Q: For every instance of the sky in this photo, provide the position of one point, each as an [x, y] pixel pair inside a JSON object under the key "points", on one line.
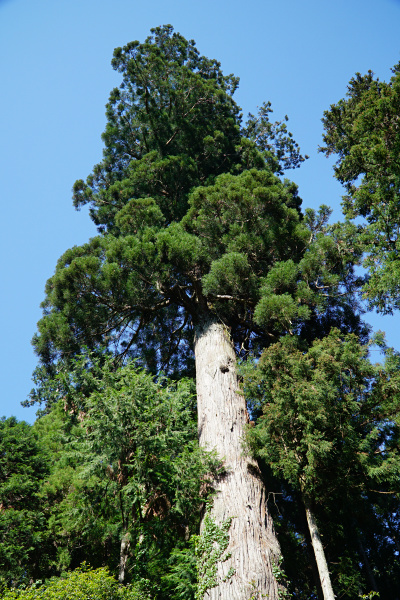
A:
{"points": [[55, 77]]}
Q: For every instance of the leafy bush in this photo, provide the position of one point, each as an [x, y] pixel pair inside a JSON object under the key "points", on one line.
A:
{"points": [[81, 584]]}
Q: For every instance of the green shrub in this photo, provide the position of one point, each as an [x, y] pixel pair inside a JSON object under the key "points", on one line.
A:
{"points": [[81, 584]]}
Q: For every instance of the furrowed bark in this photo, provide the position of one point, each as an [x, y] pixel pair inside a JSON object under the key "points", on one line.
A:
{"points": [[240, 493], [319, 554]]}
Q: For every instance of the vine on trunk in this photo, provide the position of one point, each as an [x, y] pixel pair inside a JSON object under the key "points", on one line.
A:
{"points": [[281, 578], [210, 550]]}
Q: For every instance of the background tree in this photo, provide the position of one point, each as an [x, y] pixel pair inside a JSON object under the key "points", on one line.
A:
{"points": [[128, 479], [24, 545], [363, 131], [142, 448], [330, 427]]}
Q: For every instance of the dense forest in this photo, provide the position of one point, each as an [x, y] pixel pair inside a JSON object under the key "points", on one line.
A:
{"points": [[210, 422]]}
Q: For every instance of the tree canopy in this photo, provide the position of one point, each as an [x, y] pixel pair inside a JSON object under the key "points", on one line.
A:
{"points": [[173, 125], [137, 287]]}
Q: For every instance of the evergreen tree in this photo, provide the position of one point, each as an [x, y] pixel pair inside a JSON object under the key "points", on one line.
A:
{"points": [[362, 131], [128, 479], [202, 246], [330, 427], [141, 455], [24, 545]]}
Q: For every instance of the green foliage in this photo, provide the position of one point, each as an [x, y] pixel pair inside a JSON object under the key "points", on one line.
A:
{"points": [[81, 584], [180, 579], [276, 144], [241, 253], [125, 464], [362, 130], [136, 294], [330, 427], [326, 411], [23, 466], [130, 468], [74, 538], [173, 125], [142, 438], [281, 579], [173, 116], [173, 144]]}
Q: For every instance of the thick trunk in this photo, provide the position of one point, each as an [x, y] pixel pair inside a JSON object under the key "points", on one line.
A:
{"points": [[240, 493], [319, 554]]}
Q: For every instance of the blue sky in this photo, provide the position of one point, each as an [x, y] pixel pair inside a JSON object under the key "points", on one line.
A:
{"points": [[55, 78]]}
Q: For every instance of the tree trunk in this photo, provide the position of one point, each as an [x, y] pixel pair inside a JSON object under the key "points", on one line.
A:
{"points": [[240, 493], [319, 554], [123, 556], [365, 560], [311, 557]]}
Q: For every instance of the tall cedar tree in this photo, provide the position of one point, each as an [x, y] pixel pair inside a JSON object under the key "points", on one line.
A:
{"points": [[201, 245]]}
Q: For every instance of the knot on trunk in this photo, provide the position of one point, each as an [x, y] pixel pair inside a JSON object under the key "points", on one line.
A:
{"points": [[224, 367]]}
